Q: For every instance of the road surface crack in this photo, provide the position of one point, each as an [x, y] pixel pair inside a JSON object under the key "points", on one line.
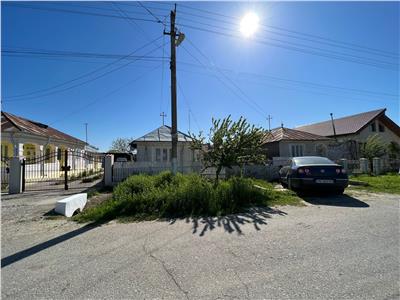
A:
{"points": [[162, 263]]}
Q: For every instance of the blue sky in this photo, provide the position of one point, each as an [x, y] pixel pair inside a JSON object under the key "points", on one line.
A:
{"points": [[308, 59]]}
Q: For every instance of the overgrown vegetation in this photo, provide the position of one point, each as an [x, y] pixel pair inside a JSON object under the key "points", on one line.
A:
{"points": [[167, 195], [373, 147], [389, 183]]}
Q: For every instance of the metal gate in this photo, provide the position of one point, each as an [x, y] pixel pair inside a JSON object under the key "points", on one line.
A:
{"points": [[5, 174], [62, 170]]}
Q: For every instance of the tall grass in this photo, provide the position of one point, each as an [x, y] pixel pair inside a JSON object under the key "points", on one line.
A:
{"points": [[167, 195]]}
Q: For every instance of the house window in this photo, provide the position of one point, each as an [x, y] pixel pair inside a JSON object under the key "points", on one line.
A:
{"points": [[296, 150], [373, 127], [170, 154], [158, 154], [381, 128], [165, 154]]}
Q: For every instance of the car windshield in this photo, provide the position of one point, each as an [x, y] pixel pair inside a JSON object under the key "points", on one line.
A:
{"points": [[312, 160]]}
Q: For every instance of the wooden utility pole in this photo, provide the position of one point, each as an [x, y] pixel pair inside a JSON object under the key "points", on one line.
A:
{"points": [[174, 115]]}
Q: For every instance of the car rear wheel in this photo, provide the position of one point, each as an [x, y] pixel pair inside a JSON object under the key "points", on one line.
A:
{"points": [[284, 184], [339, 192]]}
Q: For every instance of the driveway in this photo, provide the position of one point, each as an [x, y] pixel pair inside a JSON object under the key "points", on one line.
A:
{"points": [[335, 247]]}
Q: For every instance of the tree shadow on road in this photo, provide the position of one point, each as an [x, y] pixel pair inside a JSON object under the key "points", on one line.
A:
{"points": [[328, 199], [257, 216]]}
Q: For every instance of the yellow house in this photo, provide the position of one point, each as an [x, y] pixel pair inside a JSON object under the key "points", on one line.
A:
{"points": [[21, 137]]}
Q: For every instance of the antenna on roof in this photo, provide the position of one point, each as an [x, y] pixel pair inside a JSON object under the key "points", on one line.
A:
{"points": [[163, 115], [269, 122], [333, 126]]}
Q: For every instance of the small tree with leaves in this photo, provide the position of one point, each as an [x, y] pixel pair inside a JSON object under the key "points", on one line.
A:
{"points": [[374, 147], [232, 144], [120, 145], [394, 150]]}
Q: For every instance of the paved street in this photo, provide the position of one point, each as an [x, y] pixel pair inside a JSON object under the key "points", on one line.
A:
{"points": [[336, 247]]}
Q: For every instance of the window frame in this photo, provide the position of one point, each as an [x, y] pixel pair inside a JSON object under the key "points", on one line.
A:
{"points": [[158, 154], [296, 152]]}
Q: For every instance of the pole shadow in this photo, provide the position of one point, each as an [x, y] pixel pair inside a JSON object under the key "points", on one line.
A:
{"points": [[6, 261]]}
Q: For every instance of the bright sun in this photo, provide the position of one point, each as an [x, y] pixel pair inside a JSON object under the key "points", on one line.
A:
{"points": [[249, 24]]}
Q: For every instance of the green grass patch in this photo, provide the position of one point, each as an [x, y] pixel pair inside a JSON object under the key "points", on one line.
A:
{"points": [[143, 197], [389, 183]]}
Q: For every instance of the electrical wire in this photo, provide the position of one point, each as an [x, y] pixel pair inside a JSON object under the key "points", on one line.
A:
{"points": [[83, 108], [316, 37], [81, 76], [81, 83]]}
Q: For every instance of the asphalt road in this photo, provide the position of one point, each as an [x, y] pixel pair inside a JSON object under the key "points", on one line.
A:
{"points": [[336, 247]]}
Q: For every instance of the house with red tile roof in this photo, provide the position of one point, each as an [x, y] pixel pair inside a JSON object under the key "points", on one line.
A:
{"points": [[357, 128], [26, 138], [286, 142]]}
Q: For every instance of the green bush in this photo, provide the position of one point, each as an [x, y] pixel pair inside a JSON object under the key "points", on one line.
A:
{"points": [[167, 195]]}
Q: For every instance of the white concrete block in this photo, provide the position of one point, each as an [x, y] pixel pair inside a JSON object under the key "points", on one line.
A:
{"points": [[69, 205]]}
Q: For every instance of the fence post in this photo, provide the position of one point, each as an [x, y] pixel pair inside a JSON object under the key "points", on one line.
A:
{"points": [[376, 165], [344, 163], [364, 165], [108, 169], [15, 184]]}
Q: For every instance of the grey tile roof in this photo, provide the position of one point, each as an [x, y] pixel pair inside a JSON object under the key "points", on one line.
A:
{"points": [[287, 134], [162, 134], [345, 125]]}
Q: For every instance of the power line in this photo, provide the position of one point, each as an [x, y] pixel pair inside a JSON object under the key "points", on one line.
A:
{"points": [[58, 53], [317, 37], [188, 105], [151, 13], [81, 83], [225, 84], [297, 44], [226, 77], [317, 85], [337, 57], [84, 75], [82, 109], [299, 89], [77, 12]]}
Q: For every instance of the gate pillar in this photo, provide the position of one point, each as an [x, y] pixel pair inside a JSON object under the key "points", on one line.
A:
{"points": [[16, 174], [108, 169]]}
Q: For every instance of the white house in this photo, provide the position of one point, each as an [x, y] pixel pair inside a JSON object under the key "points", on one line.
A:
{"points": [[154, 149]]}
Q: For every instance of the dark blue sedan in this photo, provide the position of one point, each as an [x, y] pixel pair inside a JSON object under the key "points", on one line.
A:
{"points": [[314, 173]]}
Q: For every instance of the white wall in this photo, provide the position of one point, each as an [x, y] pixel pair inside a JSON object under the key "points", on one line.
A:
{"points": [[146, 152]]}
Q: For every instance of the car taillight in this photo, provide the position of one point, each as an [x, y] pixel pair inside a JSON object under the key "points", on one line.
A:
{"points": [[300, 171]]}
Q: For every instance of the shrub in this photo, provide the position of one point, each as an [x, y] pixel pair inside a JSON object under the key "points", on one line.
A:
{"points": [[167, 195]]}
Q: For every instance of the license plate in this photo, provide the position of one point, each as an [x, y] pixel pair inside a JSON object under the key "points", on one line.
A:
{"points": [[324, 181]]}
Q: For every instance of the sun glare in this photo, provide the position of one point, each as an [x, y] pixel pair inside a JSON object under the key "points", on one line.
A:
{"points": [[249, 24]]}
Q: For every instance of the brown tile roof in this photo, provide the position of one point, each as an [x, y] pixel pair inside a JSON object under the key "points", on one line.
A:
{"points": [[9, 120], [345, 125], [287, 134]]}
